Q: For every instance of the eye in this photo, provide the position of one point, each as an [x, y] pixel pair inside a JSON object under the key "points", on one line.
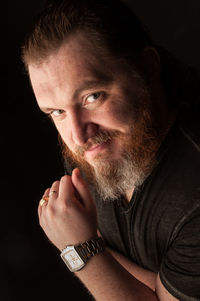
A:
{"points": [[57, 113], [93, 97]]}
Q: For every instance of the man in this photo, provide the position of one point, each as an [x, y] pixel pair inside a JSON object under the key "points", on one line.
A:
{"points": [[134, 152]]}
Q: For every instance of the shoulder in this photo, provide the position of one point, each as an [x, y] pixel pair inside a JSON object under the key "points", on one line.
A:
{"points": [[190, 128], [169, 197], [179, 271]]}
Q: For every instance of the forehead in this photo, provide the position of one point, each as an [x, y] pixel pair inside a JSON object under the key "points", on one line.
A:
{"points": [[64, 72], [75, 59]]}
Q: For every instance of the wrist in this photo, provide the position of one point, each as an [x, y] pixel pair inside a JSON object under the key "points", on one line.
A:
{"points": [[77, 256]]}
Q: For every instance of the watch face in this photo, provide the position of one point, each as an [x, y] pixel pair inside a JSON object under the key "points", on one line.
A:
{"points": [[72, 259]]}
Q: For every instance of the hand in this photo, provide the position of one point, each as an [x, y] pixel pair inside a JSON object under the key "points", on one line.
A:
{"points": [[69, 216]]}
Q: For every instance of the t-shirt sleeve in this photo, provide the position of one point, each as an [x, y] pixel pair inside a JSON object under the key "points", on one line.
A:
{"points": [[180, 269]]}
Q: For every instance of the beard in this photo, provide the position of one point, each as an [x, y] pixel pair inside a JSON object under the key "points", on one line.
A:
{"points": [[110, 179]]}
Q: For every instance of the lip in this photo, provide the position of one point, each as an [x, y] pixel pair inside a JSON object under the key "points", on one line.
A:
{"points": [[95, 149]]}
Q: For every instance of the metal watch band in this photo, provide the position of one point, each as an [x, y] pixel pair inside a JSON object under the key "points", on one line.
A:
{"points": [[90, 248]]}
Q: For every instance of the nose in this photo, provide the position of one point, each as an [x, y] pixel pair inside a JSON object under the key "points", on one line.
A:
{"points": [[81, 127]]}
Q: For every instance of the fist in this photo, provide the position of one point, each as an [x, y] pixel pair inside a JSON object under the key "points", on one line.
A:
{"points": [[69, 216]]}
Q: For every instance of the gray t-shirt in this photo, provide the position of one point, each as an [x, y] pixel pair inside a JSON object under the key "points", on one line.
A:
{"points": [[160, 228]]}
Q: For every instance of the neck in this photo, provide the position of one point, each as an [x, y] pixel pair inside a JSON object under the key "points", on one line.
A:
{"points": [[128, 195]]}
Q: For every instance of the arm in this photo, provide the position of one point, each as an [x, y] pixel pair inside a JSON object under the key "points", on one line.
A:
{"points": [[68, 220], [108, 280], [145, 276]]}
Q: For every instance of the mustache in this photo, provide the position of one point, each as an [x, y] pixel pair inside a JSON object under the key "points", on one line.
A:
{"points": [[101, 137]]}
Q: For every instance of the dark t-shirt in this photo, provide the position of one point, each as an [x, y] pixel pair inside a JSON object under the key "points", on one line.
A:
{"points": [[160, 228]]}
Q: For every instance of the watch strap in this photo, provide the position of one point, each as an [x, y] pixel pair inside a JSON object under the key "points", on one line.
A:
{"points": [[89, 248]]}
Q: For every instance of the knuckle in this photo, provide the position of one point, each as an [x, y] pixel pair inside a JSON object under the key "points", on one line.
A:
{"points": [[65, 178], [51, 212], [55, 182], [47, 190], [63, 208]]}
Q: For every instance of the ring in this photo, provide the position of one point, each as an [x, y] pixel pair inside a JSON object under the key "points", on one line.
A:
{"points": [[52, 192], [44, 200]]}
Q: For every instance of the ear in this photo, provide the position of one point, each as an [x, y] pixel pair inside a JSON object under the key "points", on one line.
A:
{"points": [[150, 65]]}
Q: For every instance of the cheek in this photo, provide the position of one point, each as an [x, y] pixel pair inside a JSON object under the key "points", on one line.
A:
{"points": [[65, 135], [118, 115]]}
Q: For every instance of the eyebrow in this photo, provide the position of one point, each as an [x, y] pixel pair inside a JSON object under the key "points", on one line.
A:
{"points": [[91, 84], [86, 85]]}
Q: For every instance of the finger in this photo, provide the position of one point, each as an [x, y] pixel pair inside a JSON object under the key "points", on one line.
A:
{"points": [[66, 190], [46, 193], [54, 192], [81, 187], [43, 204]]}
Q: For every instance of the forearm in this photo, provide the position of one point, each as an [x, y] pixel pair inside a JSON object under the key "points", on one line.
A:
{"points": [[145, 276], [107, 280]]}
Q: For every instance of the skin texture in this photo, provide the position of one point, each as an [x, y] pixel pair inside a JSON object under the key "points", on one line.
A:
{"points": [[62, 86], [64, 207], [86, 94], [57, 85], [107, 277]]}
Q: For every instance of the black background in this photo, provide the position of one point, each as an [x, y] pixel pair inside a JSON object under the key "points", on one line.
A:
{"points": [[30, 267]]}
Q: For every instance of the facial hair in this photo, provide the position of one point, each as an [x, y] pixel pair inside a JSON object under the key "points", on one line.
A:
{"points": [[110, 179]]}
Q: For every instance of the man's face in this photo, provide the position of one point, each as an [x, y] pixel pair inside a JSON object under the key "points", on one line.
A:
{"points": [[101, 111]]}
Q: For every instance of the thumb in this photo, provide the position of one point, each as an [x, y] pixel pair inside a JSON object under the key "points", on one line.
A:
{"points": [[81, 187]]}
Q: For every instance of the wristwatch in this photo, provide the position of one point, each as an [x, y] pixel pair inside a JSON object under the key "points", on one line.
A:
{"points": [[76, 257]]}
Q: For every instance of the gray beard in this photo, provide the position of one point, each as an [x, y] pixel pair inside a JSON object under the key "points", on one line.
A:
{"points": [[112, 179]]}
